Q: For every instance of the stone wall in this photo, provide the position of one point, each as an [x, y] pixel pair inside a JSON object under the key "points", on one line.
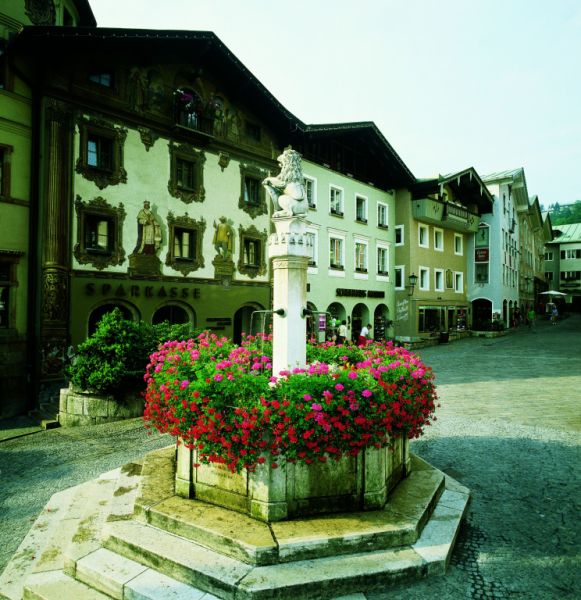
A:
{"points": [[82, 408]]}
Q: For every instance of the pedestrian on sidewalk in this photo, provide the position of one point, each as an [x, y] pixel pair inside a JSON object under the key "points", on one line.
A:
{"points": [[531, 317], [364, 335], [554, 315]]}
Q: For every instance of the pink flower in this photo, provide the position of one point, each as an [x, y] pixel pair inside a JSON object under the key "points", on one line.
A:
{"points": [[315, 406], [367, 393], [352, 375], [307, 397], [184, 384], [339, 387], [218, 377]]}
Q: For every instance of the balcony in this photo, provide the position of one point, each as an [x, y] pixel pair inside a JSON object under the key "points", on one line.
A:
{"points": [[445, 214]]}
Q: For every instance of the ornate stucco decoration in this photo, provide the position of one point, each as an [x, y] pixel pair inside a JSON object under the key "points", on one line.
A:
{"points": [[112, 173], [89, 215], [251, 258], [177, 227], [40, 12], [187, 186], [148, 137]]}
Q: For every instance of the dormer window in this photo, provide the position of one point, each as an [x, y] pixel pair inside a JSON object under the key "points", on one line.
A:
{"points": [[102, 78]]}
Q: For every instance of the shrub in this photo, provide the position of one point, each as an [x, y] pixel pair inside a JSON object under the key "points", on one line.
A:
{"points": [[223, 400], [113, 358]]}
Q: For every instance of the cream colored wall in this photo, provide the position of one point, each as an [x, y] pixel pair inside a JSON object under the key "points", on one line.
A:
{"points": [[148, 173]]}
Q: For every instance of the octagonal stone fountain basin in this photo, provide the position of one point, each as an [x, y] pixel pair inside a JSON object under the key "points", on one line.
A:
{"points": [[350, 484]]}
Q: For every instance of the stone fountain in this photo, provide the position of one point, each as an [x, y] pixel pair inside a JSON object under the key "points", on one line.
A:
{"points": [[317, 531]]}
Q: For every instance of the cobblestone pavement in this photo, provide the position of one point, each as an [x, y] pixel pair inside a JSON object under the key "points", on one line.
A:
{"points": [[509, 428]]}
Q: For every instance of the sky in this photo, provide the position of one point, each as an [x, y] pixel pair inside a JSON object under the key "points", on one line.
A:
{"points": [[489, 84]]}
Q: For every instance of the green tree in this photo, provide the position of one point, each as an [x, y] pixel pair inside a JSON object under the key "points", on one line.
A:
{"points": [[565, 214]]}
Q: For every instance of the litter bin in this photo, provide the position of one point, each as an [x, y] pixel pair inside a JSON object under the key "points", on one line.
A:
{"points": [[444, 337]]}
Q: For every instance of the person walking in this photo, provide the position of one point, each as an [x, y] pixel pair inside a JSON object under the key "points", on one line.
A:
{"points": [[342, 332], [531, 317], [364, 335], [554, 315]]}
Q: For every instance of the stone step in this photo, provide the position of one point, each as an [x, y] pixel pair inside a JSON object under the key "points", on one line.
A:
{"points": [[122, 578], [47, 419], [32, 547], [228, 578], [56, 585], [176, 557]]}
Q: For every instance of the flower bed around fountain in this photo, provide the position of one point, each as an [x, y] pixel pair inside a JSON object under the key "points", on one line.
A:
{"points": [[338, 428]]}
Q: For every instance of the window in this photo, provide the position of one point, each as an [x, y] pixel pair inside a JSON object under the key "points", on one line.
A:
{"points": [[570, 275], [480, 272], [5, 155], [424, 279], [549, 275], [189, 109], [252, 194], [431, 318], [252, 131], [105, 79], [172, 313], [438, 240], [311, 189], [382, 215], [399, 273], [336, 201], [184, 243], [458, 244], [549, 255], [99, 233], [439, 280], [571, 254], [399, 240], [251, 260], [8, 283], [336, 253], [459, 283], [186, 173], [360, 209], [312, 247], [382, 261], [360, 257], [101, 153], [423, 239]]}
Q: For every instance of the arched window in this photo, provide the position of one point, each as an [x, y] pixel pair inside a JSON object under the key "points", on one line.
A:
{"points": [[172, 313], [102, 310]]}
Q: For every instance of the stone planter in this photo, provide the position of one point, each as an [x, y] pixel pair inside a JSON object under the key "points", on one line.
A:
{"points": [[351, 484], [83, 408]]}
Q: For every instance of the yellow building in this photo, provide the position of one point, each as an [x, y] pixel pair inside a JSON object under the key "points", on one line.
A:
{"points": [[434, 220]]}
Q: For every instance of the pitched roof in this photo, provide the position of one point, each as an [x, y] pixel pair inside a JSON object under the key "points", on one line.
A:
{"points": [[567, 233]]}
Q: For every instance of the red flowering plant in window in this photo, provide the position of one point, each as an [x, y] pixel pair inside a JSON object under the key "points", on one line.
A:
{"points": [[223, 401]]}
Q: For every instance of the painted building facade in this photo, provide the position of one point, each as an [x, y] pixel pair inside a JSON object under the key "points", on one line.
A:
{"points": [[563, 264], [436, 220]]}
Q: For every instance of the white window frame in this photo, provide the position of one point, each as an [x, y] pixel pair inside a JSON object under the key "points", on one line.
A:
{"points": [[334, 272], [441, 286], [313, 269], [365, 268], [365, 218], [458, 277], [313, 182], [458, 236], [385, 207], [437, 248], [424, 274], [341, 211], [402, 269], [382, 276], [426, 228], [402, 229]]}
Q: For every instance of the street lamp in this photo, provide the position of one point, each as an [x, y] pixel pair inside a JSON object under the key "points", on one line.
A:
{"points": [[413, 279]]}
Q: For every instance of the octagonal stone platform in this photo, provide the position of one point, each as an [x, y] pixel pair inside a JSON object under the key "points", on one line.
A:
{"points": [[127, 535]]}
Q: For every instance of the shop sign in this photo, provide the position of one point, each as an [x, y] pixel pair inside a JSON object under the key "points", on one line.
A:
{"points": [[140, 291], [481, 255], [352, 293]]}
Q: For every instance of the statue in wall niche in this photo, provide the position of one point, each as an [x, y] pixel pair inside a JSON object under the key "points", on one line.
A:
{"points": [[287, 190], [148, 231], [223, 238]]}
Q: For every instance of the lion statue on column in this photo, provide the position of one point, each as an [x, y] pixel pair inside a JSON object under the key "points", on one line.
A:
{"points": [[287, 190]]}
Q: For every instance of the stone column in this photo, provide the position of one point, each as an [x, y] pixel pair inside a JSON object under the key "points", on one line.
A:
{"points": [[55, 239], [289, 249]]}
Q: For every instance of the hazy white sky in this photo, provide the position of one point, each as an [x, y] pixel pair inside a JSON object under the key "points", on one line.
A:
{"points": [[493, 84]]}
